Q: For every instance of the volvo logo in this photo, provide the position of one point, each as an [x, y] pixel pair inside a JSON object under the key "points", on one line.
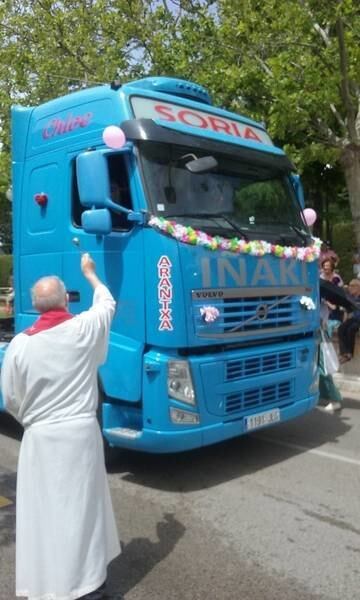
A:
{"points": [[262, 312]]}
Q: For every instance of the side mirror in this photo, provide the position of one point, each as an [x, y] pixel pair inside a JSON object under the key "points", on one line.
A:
{"points": [[97, 221], [92, 179], [94, 189], [298, 188]]}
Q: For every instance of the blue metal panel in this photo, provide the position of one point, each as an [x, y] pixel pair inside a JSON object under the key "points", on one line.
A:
{"points": [[151, 440], [122, 373], [32, 267], [3, 347], [174, 87], [278, 284], [156, 432], [77, 118], [20, 122], [40, 221], [166, 307]]}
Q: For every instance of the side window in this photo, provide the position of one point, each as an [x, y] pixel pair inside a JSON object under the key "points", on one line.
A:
{"points": [[119, 190]]}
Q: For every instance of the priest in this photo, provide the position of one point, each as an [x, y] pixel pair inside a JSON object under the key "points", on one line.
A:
{"points": [[65, 527]]}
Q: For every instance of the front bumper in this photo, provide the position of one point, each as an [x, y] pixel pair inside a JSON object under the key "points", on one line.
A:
{"points": [[149, 440]]}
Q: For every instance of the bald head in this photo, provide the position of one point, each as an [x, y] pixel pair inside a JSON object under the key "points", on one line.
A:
{"points": [[48, 293]]}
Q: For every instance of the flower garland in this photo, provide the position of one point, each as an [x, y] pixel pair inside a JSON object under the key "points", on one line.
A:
{"points": [[258, 248]]}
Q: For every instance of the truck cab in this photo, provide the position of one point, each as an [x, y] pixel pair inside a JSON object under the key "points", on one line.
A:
{"points": [[194, 219]]}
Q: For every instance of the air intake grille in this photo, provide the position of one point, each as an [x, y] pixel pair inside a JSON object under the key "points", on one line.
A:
{"points": [[279, 394], [259, 365]]}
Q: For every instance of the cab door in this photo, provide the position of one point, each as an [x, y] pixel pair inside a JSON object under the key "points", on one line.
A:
{"points": [[119, 259], [40, 223]]}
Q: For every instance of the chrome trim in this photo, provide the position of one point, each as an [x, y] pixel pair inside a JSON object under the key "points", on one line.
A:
{"points": [[262, 311], [252, 333], [256, 316], [123, 432], [224, 293]]}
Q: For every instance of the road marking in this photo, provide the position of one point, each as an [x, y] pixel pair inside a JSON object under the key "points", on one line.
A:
{"points": [[4, 502], [322, 453]]}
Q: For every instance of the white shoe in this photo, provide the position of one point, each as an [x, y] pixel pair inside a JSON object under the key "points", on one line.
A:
{"points": [[332, 407]]}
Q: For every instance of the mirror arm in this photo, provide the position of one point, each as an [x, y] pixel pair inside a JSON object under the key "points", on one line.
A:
{"points": [[138, 217]]}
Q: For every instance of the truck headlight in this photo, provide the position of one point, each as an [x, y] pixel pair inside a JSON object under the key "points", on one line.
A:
{"points": [[179, 381]]}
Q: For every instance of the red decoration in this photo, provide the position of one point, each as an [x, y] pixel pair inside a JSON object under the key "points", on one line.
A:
{"points": [[41, 199]]}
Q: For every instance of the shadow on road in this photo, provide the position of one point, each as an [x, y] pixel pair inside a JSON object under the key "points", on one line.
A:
{"points": [[141, 555], [7, 512], [352, 403], [210, 466], [10, 427]]}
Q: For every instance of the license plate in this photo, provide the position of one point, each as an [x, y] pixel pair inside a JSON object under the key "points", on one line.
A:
{"points": [[262, 419]]}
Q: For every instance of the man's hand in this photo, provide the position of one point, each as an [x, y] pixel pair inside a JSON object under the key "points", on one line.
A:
{"points": [[87, 265], [88, 269]]}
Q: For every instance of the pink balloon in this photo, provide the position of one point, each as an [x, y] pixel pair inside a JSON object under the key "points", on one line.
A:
{"points": [[114, 137], [309, 216]]}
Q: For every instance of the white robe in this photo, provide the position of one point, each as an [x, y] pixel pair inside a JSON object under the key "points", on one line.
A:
{"points": [[65, 528]]}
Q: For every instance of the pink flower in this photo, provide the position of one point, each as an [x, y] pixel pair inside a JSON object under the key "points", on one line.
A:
{"points": [[209, 313]]}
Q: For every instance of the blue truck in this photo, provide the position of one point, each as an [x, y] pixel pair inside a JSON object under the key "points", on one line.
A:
{"points": [[194, 219]]}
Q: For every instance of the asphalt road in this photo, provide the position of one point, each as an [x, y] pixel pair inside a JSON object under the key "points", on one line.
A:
{"points": [[271, 516]]}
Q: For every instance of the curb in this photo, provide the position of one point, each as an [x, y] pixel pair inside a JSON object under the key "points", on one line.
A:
{"points": [[349, 385]]}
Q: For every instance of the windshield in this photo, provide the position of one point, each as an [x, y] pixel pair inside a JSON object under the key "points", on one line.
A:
{"points": [[234, 199]]}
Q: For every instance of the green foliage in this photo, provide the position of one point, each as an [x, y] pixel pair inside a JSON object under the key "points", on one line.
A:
{"points": [[5, 224], [5, 269], [260, 201], [293, 64], [344, 244]]}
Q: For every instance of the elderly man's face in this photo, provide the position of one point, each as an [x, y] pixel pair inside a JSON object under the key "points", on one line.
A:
{"points": [[354, 289]]}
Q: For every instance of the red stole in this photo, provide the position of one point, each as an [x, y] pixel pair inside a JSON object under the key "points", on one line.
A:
{"points": [[49, 319]]}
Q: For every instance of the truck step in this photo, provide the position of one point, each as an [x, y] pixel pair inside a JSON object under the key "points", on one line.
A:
{"points": [[123, 432]]}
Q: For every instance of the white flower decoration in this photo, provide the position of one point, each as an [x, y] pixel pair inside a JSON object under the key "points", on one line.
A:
{"points": [[307, 303]]}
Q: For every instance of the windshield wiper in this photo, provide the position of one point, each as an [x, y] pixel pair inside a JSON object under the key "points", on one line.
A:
{"points": [[301, 233], [214, 216]]}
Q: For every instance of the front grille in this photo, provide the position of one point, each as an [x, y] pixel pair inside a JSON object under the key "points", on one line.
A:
{"points": [[279, 394], [250, 315], [259, 365], [242, 314]]}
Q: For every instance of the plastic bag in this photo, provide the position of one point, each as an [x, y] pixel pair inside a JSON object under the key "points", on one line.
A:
{"points": [[330, 358]]}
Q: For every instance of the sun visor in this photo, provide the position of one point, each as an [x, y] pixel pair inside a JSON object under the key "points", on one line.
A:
{"points": [[168, 133]]}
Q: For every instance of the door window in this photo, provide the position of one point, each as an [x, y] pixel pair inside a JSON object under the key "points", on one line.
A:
{"points": [[119, 191]]}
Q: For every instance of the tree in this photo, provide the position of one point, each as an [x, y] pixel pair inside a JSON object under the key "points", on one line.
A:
{"points": [[309, 57], [49, 48], [292, 63]]}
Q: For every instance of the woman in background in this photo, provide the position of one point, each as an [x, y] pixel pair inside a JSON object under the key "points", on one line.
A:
{"points": [[329, 393], [336, 315]]}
